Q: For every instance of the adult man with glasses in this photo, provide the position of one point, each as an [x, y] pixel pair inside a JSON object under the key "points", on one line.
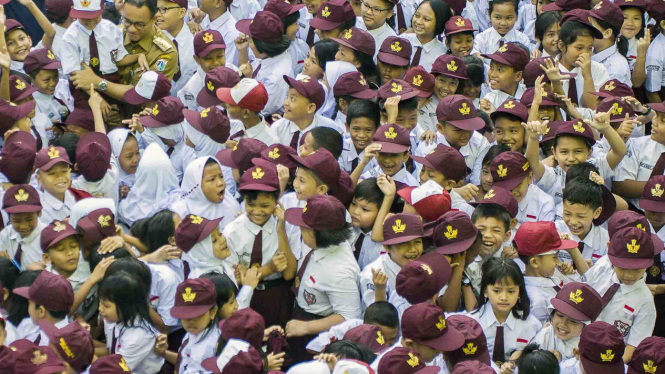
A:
{"points": [[170, 18]]}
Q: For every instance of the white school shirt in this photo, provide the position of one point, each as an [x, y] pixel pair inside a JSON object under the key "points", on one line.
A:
{"points": [[369, 251], [616, 65], [10, 240], [44, 340], [380, 34], [303, 25], [136, 345], [427, 114], [76, 47], [595, 242], [431, 50], [473, 153], [389, 267], [540, 291], [298, 51], [226, 25], [488, 41], [536, 206], [285, 128], [27, 329], [631, 56], [458, 203], [271, 74], [598, 74], [108, 186], [240, 235], [329, 284], [260, 131], [56, 45], [11, 335], [516, 332], [310, 367], [77, 279], [632, 308], [548, 340], [163, 287], [554, 179], [335, 333], [655, 64], [188, 66], [402, 175], [526, 21], [482, 8], [349, 153], [47, 105], [438, 361], [641, 156], [188, 92], [244, 9], [199, 347], [498, 97]]}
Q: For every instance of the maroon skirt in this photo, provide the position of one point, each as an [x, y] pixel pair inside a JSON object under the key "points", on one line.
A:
{"points": [[298, 346], [273, 300]]}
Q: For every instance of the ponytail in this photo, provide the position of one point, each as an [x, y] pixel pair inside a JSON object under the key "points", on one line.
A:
{"points": [[622, 45]]}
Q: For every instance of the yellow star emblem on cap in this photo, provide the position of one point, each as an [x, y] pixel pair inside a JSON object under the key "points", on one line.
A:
{"points": [[274, 154], [639, 226], [502, 171], [188, 296], [104, 221], [459, 22], [509, 105], [304, 79], [197, 220], [465, 110], [123, 364], [607, 356], [598, 6], [450, 232], [20, 85], [325, 12], [58, 226], [155, 110], [204, 112], [657, 190], [579, 127], [418, 80], [210, 86], [395, 47], [503, 48], [379, 338], [633, 247], [50, 55], [543, 93], [470, 349], [441, 324], [258, 173], [390, 134], [547, 130], [53, 153], [21, 195], [576, 297], [396, 88], [399, 227], [616, 109], [451, 66], [610, 86], [207, 37], [39, 358]]}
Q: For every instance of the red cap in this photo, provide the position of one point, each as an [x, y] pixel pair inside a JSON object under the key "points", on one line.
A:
{"points": [[82, 118], [282, 8], [632, 248], [510, 54], [402, 228], [369, 336], [241, 155], [601, 349], [460, 112], [472, 367], [609, 12], [425, 324], [21, 198], [39, 360], [502, 197], [449, 65], [167, 111], [540, 238], [581, 16], [93, 155], [353, 84], [614, 88], [576, 128], [421, 279], [547, 98], [86, 9], [617, 109], [475, 343], [567, 5], [52, 291], [221, 77], [260, 178], [631, 3], [151, 86], [42, 58], [207, 41], [113, 364], [310, 88], [652, 197], [396, 87], [10, 112], [358, 40], [395, 51], [248, 94], [430, 200], [73, 343], [446, 160], [276, 154], [648, 357], [265, 26], [404, 361], [509, 169], [246, 325], [194, 229], [512, 107], [98, 225], [193, 298], [323, 164], [458, 24], [454, 233], [17, 157], [19, 88], [48, 157], [421, 80], [54, 233], [210, 121], [655, 10], [60, 8], [393, 139], [332, 14], [578, 301], [321, 212]]}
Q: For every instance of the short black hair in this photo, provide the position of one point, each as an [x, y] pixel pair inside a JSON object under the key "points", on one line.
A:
{"points": [[272, 49], [328, 139], [290, 20], [582, 170], [367, 65], [489, 125], [8, 275], [68, 141], [151, 4], [494, 151], [408, 104], [130, 296], [327, 238], [494, 211], [111, 13], [56, 18], [369, 191], [59, 314], [252, 195], [442, 13], [494, 269], [537, 361], [543, 22], [571, 30], [475, 72], [515, 3], [17, 306], [350, 350], [224, 287], [583, 192], [364, 109], [382, 313], [154, 231], [586, 142], [95, 257], [134, 267], [325, 50], [347, 25]]}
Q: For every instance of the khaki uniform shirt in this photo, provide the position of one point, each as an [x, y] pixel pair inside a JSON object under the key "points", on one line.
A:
{"points": [[160, 53]]}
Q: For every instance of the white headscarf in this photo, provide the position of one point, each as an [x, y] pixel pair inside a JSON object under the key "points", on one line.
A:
{"points": [[118, 137], [203, 144], [83, 207], [155, 189], [202, 260], [172, 132], [334, 70]]}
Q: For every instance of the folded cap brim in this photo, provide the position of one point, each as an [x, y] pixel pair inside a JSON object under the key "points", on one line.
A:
{"points": [[511, 183], [457, 247], [132, 97], [59, 238], [631, 263], [658, 107], [24, 292], [206, 99], [23, 209], [471, 124], [26, 93], [498, 58], [188, 312], [423, 161], [364, 94], [652, 205], [566, 244], [149, 121], [211, 48], [322, 24], [294, 217], [569, 310], [447, 342], [84, 14], [47, 166], [392, 147], [257, 187], [391, 59]]}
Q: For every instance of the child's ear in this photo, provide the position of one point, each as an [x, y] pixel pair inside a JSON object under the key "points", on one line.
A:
{"points": [[533, 262], [562, 47], [439, 127], [5, 294], [76, 167], [342, 105], [449, 184], [311, 108], [42, 312], [197, 60], [407, 343], [513, 223], [406, 156], [597, 212], [46, 258], [182, 13], [322, 189], [518, 76], [171, 240]]}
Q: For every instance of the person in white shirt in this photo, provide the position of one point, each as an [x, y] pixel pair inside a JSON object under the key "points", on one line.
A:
{"points": [[459, 36], [57, 11], [20, 236], [358, 47], [634, 30], [42, 66], [390, 146], [332, 19], [428, 22], [289, 15], [98, 171], [246, 8], [505, 75], [219, 18], [393, 58], [503, 16], [611, 50], [546, 33], [375, 14]]}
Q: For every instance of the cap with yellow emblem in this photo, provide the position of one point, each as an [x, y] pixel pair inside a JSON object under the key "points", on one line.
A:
{"points": [[576, 128], [395, 51], [446, 160], [48, 157], [475, 342], [220, 77], [194, 229], [614, 88], [547, 98], [453, 233], [404, 361], [21, 198], [73, 343], [653, 196], [472, 367], [358, 40], [277, 154], [601, 349], [207, 41], [241, 155], [310, 88], [396, 87], [539, 239], [20, 88], [193, 298], [245, 324], [425, 324], [420, 79], [509, 169], [98, 224], [458, 24], [510, 54], [332, 15], [93, 155], [54, 233], [369, 336], [353, 84], [513, 108], [449, 65], [402, 228], [578, 301], [39, 360], [649, 357], [459, 111], [113, 364], [260, 178], [40, 59], [265, 26], [392, 138], [50, 290], [210, 121], [17, 157], [421, 279], [502, 197], [632, 248], [617, 108], [321, 212]]}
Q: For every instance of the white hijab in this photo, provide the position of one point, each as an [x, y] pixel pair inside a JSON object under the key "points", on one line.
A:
{"points": [[203, 144], [172, 132], [201, 260], [85, 206], [334, 70], [156, 187], [118, 137]]}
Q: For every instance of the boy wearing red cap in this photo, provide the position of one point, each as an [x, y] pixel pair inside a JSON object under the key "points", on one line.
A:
{"points": [[390, 146], [20, 237]]}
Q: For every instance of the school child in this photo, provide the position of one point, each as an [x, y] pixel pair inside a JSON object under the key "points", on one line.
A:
{"points": [[170, 18], [429, 200], [430, 19], [127, 326], [601, 349], [443, 165], [449, 72], [348, 88], [404, 360], [422, 81], [542, 107], [508, 118], [21, 233], [611, 49], [390, 146], [393, 58], [319, 55], [98, 172], [475, 85], [321, 137], [503, 15], [289, 14], [16, 117], [358, 48], [42, 66], [375, 19], [536, 360], [364, 208], [35, 360], [144, 200], [44, 307], [17, 159], [219, 18], [504, 75], [457, 120], [638, 36], [334, 70], [127, 155], [503, 309], [19, 43], [648, 355], [474, 348], [363, 118], [73, 345], [57, 12], [111, 364], [545, 31], [459, 36], [270, 46], [333, 19]]}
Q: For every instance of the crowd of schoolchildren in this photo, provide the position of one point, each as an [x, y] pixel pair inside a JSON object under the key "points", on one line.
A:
{"points": [[333, 187]]}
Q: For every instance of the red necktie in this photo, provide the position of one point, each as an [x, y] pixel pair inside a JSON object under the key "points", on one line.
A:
{"points": [[401, 23], [257, 250], [186, 269], [37, 137], [354, 164], [310, 37], [610, 294], [499, 354], [114, 341], [659, 168], [416, 57], [301, 272], [501, 43], [177, 361], [177, 75], [169, 151], [572, 94], [256, 72], [39, 339], [557, 288], [237, 135], [294, 140], [94, 54], [359, 245], [17, 256]]}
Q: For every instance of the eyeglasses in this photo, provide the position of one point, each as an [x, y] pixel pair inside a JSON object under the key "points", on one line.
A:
{"points": [[373, 9], [137, 25], [164, 9]]}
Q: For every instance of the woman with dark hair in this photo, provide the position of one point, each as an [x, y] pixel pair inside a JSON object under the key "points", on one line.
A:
{"points": [[428, 23]]}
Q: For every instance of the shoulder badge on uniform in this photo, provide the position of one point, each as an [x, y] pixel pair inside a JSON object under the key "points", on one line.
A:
{"points": [[161, 43]]}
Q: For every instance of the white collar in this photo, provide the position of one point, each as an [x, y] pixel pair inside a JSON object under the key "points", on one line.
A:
{"points": [[604, 55], [35, 234], [56, 203], [254, 229], [527, 199], [221, 20]]}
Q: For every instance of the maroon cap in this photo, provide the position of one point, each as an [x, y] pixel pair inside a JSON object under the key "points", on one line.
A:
{"points": [[210, 121], [396, 87], [614, 88], [655, 10], [648, 357], [472, 367], [310, 88], [151, 86], [276, 154], [7, 355], [73, 343], [353, 84], [502, 197], [631, 3], [533, 70], [207, 41], [540, 238], [601, 349], [632, 248], [617, 109], [50, 290], [321, 212], [567, 5], [609, 12], [48, 157], [82, 118], [60, 8], [581, 16], [576, 128], [421, 80], [404, 361], [22, 345], [446, 160], [98, 225], [221, 77], [460, 112], [10, 113], [264, 26], [449, 65], [323, 164], [11, 24], [113, 364], [510, 54], [421, 279], [509, 169], [425, 324], [19, 88], [578, 301], [454, 233], [166, 112], [21, 198], [512, 107], [458, 24], [282, 8], [628, 218], [475, 343], [332, 14], [260, 178], [393, 139], [358, 40], [456, 5], [193, 298], [653, 198], [54, 233], [42, 58], [93, 155], [39, 360], [194, 229], [547, 98], [17, 157], [550, 131], [395, 51], [369, 336], [402, 228], [249, 362], [245, 324]]}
